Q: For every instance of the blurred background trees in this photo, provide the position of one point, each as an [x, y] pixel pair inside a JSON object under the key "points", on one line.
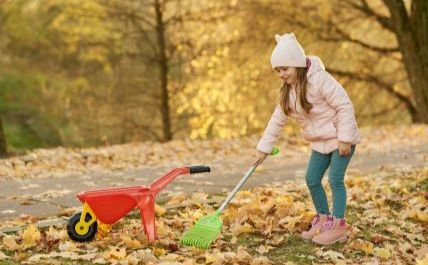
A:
{"points": [[92, 72]]}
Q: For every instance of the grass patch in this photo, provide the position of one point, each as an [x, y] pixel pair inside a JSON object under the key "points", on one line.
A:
{"points": [[395, 205], [424, 185], [70, 262], [353, 213], [8, 262], [293, 249]]}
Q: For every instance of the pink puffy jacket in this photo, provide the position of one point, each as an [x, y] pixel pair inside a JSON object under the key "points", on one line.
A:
{"points": [[330, 120]]}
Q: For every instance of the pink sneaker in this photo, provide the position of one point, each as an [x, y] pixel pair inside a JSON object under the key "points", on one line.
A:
{"points": [[334, 230], [317, 223]]}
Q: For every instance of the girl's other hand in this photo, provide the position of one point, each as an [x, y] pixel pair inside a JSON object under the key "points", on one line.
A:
{"points": [[344, 149], [261, 156]]}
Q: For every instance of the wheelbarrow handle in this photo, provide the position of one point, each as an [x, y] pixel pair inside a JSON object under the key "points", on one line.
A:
{"points": [[199, 169]]}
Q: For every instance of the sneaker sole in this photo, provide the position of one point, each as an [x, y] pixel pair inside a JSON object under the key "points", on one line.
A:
{"points": [[341, 240]]}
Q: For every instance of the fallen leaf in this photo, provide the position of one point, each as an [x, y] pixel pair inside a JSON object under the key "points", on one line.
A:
{"points": [[238, 229], [67, 246], [114, 253], [10, 243], [159, 210], [53, 233], [262, 249], [130, 242], [8, 211], [209, 259], [422, 252], [261, 261], [333, 255], [365, 246], [30, 236], [159, 251], [378, 239], [3, 256], [382, 253], [423, 261]]}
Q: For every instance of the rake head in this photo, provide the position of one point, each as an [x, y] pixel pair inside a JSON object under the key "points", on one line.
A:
{"points": [[204, 232]]}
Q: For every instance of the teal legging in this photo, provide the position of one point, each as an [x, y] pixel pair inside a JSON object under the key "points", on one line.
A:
{"points": [[318, 164]]}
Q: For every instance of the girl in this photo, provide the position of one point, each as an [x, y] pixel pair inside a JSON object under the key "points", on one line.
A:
{"points": [[323, 109]]}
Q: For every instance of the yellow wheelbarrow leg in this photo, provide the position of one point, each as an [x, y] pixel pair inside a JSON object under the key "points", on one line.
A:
{"points": [[82, 227]]}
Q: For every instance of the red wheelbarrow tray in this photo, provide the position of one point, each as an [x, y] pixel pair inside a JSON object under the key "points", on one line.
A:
{"points": [[109, 205]]}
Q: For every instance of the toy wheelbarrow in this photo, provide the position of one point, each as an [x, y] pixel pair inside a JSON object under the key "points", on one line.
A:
{"points": [[106, 206]]}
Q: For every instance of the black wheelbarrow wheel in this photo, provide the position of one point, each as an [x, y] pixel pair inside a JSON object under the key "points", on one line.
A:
{"points": [[72, 229]]}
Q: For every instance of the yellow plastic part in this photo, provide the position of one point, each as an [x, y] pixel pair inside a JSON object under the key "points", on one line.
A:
{"points": [[82, 227]]}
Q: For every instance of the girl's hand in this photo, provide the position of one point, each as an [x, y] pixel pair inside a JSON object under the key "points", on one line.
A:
{"points": [[344, 149], [260, 158]]}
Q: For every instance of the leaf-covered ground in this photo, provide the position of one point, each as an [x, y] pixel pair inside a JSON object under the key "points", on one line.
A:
{"points": [[387, 213]]}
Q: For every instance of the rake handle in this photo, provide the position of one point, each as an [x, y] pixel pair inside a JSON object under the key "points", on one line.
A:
{"points": [[250, 171], [236, 189]]}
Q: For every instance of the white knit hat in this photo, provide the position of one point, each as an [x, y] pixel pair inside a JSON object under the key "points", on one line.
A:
{"points": [[287, 52]]}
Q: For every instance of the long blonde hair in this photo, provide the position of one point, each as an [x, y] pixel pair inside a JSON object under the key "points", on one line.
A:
{"points": [[301, 89]]}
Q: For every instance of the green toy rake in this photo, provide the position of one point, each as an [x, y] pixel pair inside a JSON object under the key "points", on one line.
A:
{"points": [[208, 228]]}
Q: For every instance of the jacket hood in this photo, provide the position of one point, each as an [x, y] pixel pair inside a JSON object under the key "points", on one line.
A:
{"points": [[316, 65]]}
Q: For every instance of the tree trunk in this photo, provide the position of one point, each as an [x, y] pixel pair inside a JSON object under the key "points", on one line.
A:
{"points": [[3, 145], [412, 35], [163, 66]]}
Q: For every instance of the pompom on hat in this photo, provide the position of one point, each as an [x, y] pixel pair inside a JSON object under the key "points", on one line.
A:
{"points": [[287, 52]]}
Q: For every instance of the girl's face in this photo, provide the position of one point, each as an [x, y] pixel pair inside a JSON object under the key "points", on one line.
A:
{"points": [[287, 74]]}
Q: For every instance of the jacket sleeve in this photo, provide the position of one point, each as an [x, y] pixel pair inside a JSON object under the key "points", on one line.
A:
{"points": [[273, 130], [336, 96]]}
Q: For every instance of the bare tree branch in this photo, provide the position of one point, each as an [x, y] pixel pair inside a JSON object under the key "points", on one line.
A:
{"points": [[145, 35], [380, 112], [380, 83], [344, 36], [384, 21]]}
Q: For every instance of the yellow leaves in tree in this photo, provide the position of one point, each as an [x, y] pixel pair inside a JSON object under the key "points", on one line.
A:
{"points": [[83, 22]]}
